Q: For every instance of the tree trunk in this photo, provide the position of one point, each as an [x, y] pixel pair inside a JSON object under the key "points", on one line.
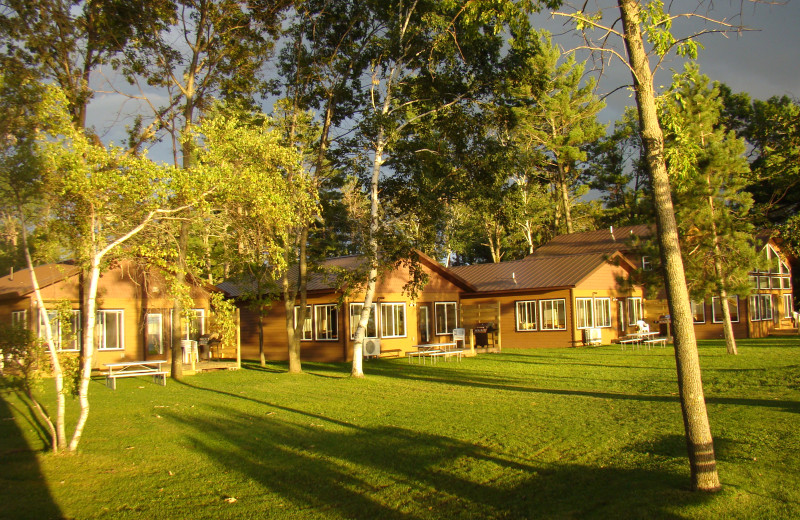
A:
{"points": [[88, 351], [176, 357], [719, 271], [699, 442], [563, 190], [58, 430], [261, 336]]}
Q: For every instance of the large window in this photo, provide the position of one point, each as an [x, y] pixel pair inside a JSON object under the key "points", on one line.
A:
{"points": [[760, 307], [787, 306], [393, 320], [326, 319], [110, 331], [194, 325], [698, 311], [66, 337], [716, 309], [444, 314], [307, 334], [355, 316], [526, 315], [154, 334], [593, 312], [635, 313], [553, 314]]}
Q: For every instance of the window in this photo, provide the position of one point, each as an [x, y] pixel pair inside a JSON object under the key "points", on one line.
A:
{"points": [[194, 324], [355, 316], [699, 311], [753, 281], [553, 314], [716, 309], [584, 313], [635, 313], [765, 302], [593, 312], [787, 306], [110, 330], [393, 320], [19, 319], [602, 312], [66, 338], [154, 334], [526, 315], [306, 335], [755, 310], [760, 307], [327, 322], [763, 282], [646, 265], [444, 314]]}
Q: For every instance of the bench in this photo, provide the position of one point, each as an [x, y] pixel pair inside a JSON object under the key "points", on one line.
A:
{"points": [[395, 352], [446, 354], [653, 341], [136, 369], [422, 354]]}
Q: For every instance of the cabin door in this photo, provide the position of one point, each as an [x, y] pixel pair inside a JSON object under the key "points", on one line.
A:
{"points": [[424, 324]]}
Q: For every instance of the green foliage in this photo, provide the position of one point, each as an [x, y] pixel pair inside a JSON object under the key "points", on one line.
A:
{"points": [[223, 322], [709, 173], [25, 357]]}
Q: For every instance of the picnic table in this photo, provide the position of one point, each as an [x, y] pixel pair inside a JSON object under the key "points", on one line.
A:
{"points": [[434, 351], [135, 369]]}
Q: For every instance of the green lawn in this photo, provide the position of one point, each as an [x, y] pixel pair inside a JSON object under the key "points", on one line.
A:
{"points": [[577, 433]]}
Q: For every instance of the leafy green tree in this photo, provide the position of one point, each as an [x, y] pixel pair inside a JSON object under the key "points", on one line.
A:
{"points": [[712, 207], [559, 119]]}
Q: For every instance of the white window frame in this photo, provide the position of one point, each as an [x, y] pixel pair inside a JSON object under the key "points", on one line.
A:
{"points": [[307, 333], [331, 315], [553, 305], [787, 305], [524, 310], [199, 314], [646, 265], [602, 313], [755, 308], [55, 328], [733, 306], [584, 313], [698, 305], [635, 310], [19, 318], [101, 330], [448, 327], [355, 316], [147, 317], [391, 312], [766, 305]]}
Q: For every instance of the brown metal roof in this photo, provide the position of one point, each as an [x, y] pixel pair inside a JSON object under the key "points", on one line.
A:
{"points": [[19, 283], [326, 278], [546, 272], [599, 241]]}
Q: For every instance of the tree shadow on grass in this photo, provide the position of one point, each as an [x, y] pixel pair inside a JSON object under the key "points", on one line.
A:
{"points": [[23, 491], [326, 467]]}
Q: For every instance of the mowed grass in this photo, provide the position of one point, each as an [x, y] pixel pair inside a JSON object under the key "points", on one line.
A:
{"points": [[570, 433]]}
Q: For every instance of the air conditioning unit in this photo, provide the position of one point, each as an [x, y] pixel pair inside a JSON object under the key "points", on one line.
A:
{"points": [[592, 337], [372, 347]]}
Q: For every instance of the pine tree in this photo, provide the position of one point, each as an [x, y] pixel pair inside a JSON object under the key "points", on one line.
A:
{"points": [[709, 172]]}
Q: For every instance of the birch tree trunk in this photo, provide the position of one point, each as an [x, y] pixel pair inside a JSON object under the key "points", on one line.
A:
{"points": [[57, 431], [699, 442]]}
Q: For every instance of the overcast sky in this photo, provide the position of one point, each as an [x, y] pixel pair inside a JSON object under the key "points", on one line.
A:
{"points": [[764, 61]]}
